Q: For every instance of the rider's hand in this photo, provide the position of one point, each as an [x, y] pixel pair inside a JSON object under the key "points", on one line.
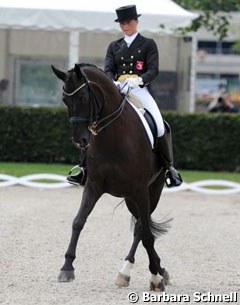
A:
{"points": [[125, 88], [117, 83], [134, 82], [129, 84]]}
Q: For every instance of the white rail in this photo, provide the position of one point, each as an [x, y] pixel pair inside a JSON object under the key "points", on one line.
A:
{"points": [[58, 181]]}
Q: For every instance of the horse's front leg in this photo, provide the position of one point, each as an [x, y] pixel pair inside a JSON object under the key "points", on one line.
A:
{"points": [[90, 196]]}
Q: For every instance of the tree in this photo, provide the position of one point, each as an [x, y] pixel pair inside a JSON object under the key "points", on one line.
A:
{"points": [[214, 15]]}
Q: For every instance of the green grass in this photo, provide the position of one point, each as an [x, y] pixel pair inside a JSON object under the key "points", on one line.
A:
{"points": [[191, 176], [22, 169]]}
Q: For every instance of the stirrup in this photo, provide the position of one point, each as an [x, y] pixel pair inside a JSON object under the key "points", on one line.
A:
{"points": [[173, 178], [79, 178]]}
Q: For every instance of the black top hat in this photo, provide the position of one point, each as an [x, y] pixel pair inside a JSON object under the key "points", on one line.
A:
{"points": [[126, 13]]}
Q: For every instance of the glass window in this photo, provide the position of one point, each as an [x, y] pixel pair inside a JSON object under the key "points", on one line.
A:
{"points": [[208, 46], [36, 84], [227, 48], [216, 47]]}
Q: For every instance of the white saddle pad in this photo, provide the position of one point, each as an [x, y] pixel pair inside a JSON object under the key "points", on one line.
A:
{"points": [[140, 112]]}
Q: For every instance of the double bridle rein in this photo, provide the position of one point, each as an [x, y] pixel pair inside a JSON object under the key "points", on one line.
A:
{"points": [[95, 124]]}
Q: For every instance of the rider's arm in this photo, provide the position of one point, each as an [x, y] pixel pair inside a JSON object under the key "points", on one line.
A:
{"points": [[110, 66], [151, 62]]}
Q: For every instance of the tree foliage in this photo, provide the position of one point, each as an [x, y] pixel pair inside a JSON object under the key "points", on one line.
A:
{"points": [[213, 15]]}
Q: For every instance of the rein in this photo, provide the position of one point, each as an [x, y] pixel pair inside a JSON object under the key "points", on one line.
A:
{"points": [[95, 125]]}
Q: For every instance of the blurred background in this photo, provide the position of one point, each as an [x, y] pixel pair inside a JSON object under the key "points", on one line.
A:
{"points": [[35, 35], [199, 46]]}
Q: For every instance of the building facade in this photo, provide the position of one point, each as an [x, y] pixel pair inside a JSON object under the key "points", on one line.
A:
{"points": [[27, 55], [217, 65]]}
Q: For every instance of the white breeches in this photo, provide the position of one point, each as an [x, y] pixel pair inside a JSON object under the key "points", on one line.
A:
{"points": [[149, 103]]}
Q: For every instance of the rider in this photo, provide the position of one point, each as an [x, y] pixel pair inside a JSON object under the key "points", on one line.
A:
{"points": [[133, 61]]}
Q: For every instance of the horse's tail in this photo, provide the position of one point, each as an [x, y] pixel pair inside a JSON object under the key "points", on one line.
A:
{"points": [[157, 228], [160, 228]]}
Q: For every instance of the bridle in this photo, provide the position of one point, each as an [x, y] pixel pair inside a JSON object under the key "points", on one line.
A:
{"points": [[95, 123], [75, 91]]}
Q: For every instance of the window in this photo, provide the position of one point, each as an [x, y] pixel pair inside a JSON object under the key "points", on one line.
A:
{"points": [[216, 47], [209, 46], [35, 84]]}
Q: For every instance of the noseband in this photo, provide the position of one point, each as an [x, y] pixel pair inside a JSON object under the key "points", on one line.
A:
{"points": [[95, 124]]}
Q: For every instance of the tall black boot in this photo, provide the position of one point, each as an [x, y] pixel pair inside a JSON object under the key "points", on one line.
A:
{"points": [[80, 177], [165, 152]]}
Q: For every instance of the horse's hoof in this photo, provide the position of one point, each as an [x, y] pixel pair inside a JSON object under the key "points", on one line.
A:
{"points": [[122, 280], [66, 276], [159, 287], [166, 278]]}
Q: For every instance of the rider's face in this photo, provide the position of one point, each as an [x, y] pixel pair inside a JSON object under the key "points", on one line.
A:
{"points": [[129, 27]]}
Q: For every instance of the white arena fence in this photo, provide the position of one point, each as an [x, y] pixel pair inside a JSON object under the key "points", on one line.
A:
{"points": [[59, 181]]}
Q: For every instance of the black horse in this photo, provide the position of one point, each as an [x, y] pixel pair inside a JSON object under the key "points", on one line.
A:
{"points": [[120, 161]]}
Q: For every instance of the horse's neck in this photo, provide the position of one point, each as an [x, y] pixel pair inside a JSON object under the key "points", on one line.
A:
{"points": [[107, 92], [113, 101]]}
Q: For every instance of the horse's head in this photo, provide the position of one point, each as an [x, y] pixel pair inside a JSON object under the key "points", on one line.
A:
{"points": [[92, 99], [76, 96]]}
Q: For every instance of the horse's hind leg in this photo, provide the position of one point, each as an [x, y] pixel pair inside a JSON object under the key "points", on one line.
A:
{"points": [[89, 198], [155, 190], [143, 205], [123, 278]]}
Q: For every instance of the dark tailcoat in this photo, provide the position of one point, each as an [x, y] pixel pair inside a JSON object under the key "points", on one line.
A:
{"points": [[140, 58]]}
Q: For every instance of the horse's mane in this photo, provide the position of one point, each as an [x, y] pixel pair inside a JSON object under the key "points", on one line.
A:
{"points": [[106, 77], [82, 65]]}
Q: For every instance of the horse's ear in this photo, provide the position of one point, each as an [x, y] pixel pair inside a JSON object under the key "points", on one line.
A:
{"points": [[78, 70], [60, 74]]}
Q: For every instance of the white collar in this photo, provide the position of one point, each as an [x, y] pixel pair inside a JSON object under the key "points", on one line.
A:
{"points": [[129, 39]]}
